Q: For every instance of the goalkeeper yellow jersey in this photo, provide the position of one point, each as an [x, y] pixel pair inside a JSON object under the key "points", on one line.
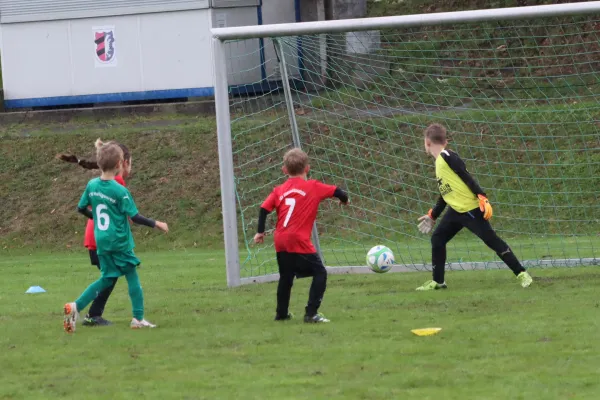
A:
{"points": [[457, 187]]}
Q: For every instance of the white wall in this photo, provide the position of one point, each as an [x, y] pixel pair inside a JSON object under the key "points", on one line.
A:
{"points": [[154, 52], [158, 51], [278, 12], [243, 57]]}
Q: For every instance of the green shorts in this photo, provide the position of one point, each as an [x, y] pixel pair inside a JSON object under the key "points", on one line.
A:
{"points": [[114, 265]]}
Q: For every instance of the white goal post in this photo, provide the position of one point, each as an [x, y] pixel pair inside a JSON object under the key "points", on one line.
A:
{"points": [[372, 102]]}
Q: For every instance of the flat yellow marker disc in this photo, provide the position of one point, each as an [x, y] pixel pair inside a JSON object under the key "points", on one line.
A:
{"points": [[426, 331]]}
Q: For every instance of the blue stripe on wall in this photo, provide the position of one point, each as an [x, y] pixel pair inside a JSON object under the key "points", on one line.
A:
{"points": [[109, 98], [237, 90], [263, 87]]}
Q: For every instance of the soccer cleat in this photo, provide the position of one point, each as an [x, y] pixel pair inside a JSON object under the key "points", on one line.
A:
{"points": [[70, 317], [432, 285], [137, 324], [286, 318], [525, 279], [95, 321], [315, 319]]}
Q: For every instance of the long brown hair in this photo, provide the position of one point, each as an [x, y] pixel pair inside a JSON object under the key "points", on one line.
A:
{"points": [[92, 163]]}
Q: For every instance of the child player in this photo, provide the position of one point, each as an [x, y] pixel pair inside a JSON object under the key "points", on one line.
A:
{"points": [[94, 316], [469, 208], [297, 203], [112, 204]]}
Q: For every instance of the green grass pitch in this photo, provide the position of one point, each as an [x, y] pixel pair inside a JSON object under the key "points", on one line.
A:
{"points": [[498, 340]]}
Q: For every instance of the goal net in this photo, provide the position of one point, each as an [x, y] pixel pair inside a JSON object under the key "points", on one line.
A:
{"points": [[520, 98]]}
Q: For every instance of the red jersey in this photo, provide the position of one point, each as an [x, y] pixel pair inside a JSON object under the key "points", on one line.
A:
{"points": [[89, 241], [297, 203]]}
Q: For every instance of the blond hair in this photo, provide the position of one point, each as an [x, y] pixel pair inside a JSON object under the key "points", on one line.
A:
{"points": [[108, 155], [436, 133], [295, 161]]}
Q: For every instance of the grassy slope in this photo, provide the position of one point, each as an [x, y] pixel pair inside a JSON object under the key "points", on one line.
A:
{"points": [[175, 177], [498, 341]]}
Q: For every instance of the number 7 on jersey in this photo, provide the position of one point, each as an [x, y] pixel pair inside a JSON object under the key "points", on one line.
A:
{"points": [[292, 203]]}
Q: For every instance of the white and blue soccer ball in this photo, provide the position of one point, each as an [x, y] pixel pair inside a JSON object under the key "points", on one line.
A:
{"points": [[380, 259]]}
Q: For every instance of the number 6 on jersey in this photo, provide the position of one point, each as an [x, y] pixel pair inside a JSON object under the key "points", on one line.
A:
{"points": [[103, 218]]}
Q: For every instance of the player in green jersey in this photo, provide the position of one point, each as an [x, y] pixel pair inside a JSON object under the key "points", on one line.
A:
{"points": [[112, 206], [95, 313], [468, 208]]}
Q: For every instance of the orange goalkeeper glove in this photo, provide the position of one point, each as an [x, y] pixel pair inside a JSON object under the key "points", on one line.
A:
{"points": [[485, 207]]}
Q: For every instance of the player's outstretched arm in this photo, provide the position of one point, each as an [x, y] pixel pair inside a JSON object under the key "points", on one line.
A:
{"points": [[141, 220], [260, 230], [341, 195]]}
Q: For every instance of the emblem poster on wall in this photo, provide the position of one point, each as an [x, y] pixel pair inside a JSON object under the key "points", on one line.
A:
{"points": [[105, 50]]}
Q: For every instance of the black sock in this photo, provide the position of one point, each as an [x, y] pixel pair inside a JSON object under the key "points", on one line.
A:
{"points": [[511, 260]]}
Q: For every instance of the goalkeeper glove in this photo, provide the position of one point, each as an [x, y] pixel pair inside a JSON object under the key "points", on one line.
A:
{"points": [[485, 207], [426, 222]]}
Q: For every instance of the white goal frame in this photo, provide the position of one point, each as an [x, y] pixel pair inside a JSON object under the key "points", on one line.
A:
{"points": [[221, 35]]}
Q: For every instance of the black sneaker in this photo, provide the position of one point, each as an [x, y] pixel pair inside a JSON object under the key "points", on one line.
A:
{"points": [[286, 318], [315, 319], [95, 321]]}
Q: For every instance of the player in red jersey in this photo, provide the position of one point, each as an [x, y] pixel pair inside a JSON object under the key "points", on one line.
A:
{"points": [[297, 204], [94, 316]]}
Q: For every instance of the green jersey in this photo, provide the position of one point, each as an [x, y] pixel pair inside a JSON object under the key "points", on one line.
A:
{"points": [[112, 206]]}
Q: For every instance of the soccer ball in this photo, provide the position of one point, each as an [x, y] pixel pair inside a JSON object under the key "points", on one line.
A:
{"points": [[380, 259]]}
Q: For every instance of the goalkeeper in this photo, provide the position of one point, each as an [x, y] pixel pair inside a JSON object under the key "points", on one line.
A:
{"points": [[469, 208]]}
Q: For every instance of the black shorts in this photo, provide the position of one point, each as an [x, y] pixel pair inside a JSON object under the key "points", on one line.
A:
{"points": [[94, 258], [300, 265]]}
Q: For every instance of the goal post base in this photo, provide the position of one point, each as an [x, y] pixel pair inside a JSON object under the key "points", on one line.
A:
{"points": [[465, 266]]}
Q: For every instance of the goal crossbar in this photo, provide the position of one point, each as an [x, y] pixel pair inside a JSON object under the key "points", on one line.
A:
{"points": [[404, 21]]}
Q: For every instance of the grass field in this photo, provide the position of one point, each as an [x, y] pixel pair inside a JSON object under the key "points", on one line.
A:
{"points": [[498, 340], [538, 158]]}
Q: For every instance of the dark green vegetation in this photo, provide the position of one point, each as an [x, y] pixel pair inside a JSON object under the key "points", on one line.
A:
{"points": [[498, 340], [382, 8]]}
